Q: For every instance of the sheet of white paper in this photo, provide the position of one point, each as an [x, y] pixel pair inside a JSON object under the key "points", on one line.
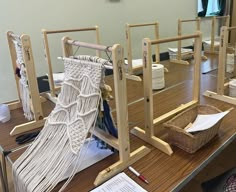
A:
{"points": [[204, 122], [216, 43], [119, 183], [135, 63], [58, 77]]}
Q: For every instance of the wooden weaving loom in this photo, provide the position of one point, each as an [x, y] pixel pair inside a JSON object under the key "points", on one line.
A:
{"points": [[122, 144], [35, 99], [53, 89], [179, 55], [221, 85], [147, 134], [132, 69], [213, 47]]}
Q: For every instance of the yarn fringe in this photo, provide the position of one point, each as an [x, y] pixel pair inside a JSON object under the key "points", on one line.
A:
{"points": [[56, 149]]}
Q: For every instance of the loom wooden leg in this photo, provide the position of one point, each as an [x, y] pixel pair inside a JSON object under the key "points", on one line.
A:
{"points": [[121, 165], [27, 127]]}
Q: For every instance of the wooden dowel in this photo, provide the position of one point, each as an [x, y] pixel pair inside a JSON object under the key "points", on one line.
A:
{"points": [[68, 30], [141, 25], [166, 40], [189, 20], [62, 58], [222, 17], [90, 45]]}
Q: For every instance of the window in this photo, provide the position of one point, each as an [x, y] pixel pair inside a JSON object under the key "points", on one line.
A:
{"points": [[211, 7]]}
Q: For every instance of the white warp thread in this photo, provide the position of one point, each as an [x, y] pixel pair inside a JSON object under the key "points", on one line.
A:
{"points": [[43, 165]]}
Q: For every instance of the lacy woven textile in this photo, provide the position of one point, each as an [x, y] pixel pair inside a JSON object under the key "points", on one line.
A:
{"points": [[23, 82], [57, 147]]}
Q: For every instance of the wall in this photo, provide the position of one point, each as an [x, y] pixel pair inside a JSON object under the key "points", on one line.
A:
{"points": [[25, 16]]}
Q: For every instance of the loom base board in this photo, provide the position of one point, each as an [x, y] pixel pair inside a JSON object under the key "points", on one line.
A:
{"points": [[133, 77], [154, 141], [51, 98], [14, 105], [27, 127], [179, 61], [211, 52], [224, 98], [121, 165]]}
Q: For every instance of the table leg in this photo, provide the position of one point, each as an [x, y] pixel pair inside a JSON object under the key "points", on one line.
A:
{"points": [[2, 179], [4, 172]]}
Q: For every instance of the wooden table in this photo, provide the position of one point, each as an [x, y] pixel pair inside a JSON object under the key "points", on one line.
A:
{"points": [[164, 173]]}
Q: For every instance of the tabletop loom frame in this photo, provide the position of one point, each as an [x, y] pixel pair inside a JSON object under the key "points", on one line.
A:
{"points": [[213, 30], [221, 85], [179, 59], [36, 99], [122, 143], [53, 89], [131, 69], [147, 134]]}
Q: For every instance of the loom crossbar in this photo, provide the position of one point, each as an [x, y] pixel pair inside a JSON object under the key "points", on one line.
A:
{"points": [[53, 88], [178, 59], [177, 38], [148, 133], [90, 45], [122, 143], [132, 69], [69, 30]]}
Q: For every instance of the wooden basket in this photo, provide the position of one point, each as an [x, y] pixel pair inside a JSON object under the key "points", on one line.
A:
{"points": [[187, 141]]}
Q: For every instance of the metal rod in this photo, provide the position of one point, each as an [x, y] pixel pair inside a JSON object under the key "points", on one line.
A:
{"points": [[90, 45], [177, 38], [69, 30]]}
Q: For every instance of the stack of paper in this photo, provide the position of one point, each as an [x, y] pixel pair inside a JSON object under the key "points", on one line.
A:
{"points": [[119, 183], [204, 122]]}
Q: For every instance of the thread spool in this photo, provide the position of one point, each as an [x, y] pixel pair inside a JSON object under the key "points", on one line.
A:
{"points": [[158, 79], [232, 88]]}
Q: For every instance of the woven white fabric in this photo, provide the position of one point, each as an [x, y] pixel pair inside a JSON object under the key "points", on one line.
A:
{"points": [[23, 83], [42, 166]]}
